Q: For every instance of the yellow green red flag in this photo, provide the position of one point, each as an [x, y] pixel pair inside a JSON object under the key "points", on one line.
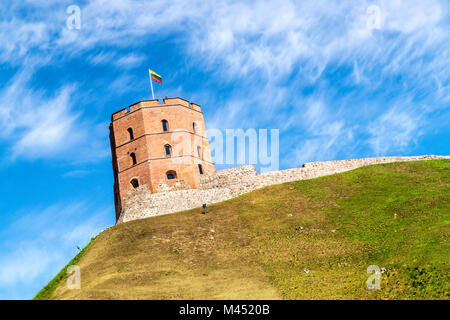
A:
{"points": [[154, 76]]}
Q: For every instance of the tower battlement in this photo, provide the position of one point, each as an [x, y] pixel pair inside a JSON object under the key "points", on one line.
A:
{"points": [[160, 145], [155, 103]]}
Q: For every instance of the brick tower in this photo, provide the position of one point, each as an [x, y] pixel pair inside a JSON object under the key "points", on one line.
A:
{"points": [[162, 146]]}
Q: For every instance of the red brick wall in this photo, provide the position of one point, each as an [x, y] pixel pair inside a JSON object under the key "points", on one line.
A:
{"points": [[145, 118]]}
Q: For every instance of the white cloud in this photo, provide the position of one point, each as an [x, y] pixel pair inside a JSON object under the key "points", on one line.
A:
{"points": [[75, 173], [110, 57], [324, 135], [242, 36], [25, 264], [129, 60], [51, 127], [44, 240], [412, 16], [40, 126], [394, 131]]}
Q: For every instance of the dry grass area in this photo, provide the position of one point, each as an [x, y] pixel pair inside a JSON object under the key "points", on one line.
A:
{"points": [[311, 239], [180, 256]]}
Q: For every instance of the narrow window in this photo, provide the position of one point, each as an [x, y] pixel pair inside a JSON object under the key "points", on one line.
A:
{"points": [[171, 175], [199, 151], [130, 132], [133, 159], [200, 169], [168, 150], [165, 125], [134, 183], [194, 127]]}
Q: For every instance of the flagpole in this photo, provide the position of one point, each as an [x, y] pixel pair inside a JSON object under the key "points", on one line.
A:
{"points": [[151, 84]]}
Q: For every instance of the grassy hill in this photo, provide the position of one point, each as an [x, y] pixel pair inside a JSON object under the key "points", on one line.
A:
{"points": [[311, 239]]}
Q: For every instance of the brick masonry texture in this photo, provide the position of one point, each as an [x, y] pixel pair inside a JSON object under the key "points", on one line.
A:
{"points": [[139, 157], [226, 184]]}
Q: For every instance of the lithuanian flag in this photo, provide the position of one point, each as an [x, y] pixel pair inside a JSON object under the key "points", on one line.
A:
{"points": [[154, 76]]}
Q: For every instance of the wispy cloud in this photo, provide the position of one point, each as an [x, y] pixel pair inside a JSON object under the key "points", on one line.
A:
{"points": [[76, 173], [321, 135], [116, 59], [394, 131], [34, 247], [40, 126]]}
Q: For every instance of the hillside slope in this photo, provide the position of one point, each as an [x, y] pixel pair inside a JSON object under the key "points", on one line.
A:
{"points": [[310, 239]]}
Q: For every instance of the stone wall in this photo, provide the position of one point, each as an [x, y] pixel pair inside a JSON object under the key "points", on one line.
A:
{"points": [[226, 184], [143, 204]]}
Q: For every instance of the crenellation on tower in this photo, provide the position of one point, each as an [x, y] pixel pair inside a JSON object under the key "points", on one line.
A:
{"points": [[118, 114], [181, 101], [196, 107]]}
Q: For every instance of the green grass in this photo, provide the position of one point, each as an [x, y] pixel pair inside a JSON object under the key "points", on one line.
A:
{"points": [[310, 239]]}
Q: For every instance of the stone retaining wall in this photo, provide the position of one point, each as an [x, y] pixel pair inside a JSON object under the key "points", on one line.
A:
{"points": [[226, 184], [143, 204]]}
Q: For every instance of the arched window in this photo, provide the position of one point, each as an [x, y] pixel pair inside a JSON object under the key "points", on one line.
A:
{"points": [[165, 125], [134, 183], [200, 169], [168, 150], [199, 151], [194, 127], [171, 175], [133, 159], [130, 133]]}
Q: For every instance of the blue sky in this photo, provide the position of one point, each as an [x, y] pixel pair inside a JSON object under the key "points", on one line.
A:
{"points": [[335, 87]]}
